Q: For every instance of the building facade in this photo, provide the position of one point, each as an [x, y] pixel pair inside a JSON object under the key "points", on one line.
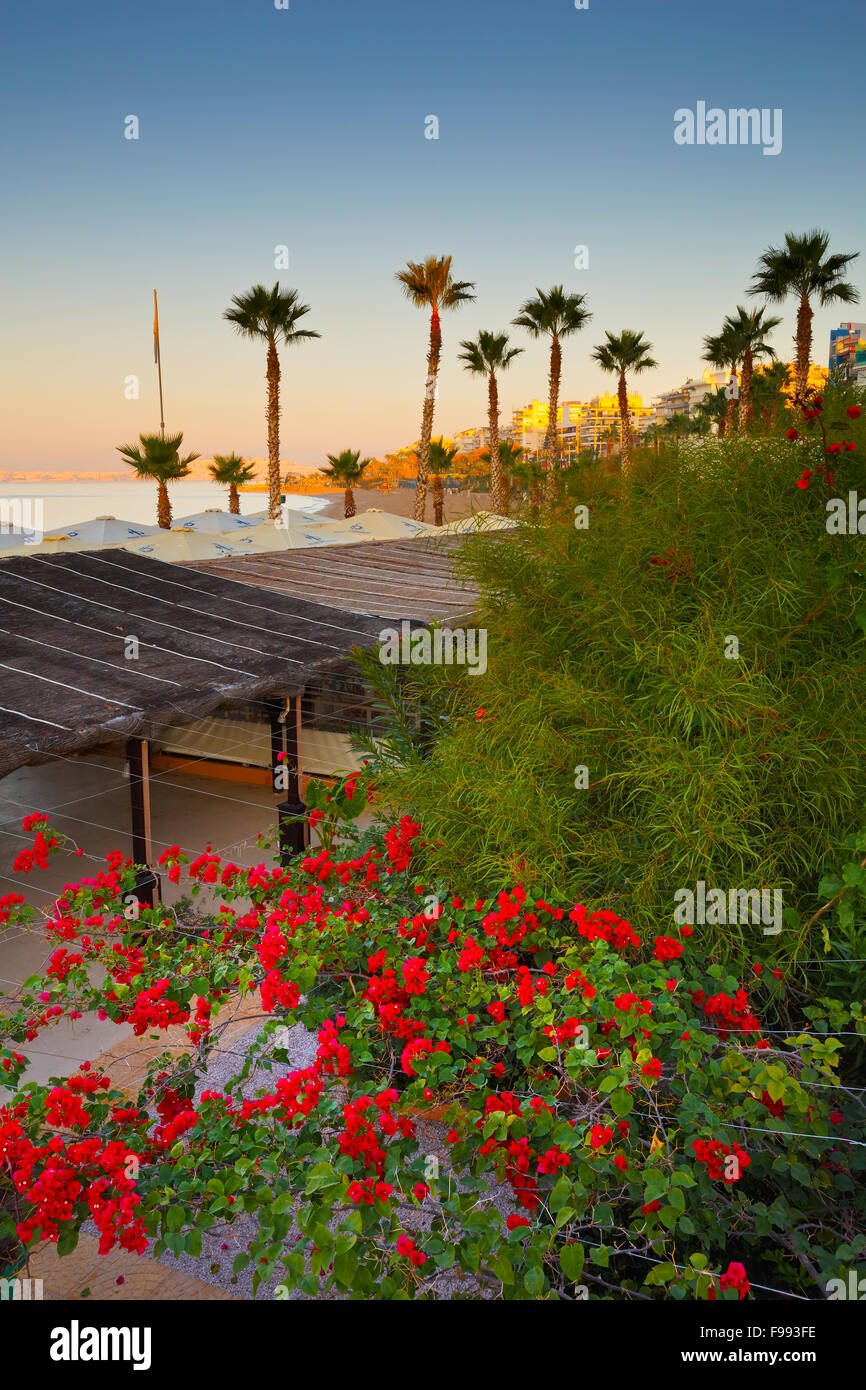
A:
{"points": [[848, 351]]}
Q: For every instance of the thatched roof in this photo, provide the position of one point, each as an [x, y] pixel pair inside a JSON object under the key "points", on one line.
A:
{"points": [[204, 642], [392, 579]]}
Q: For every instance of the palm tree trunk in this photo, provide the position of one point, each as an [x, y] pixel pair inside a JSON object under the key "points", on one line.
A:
{"points": [[438, 500], [163, 507], [427, 414], [496, 489], [803, 341], [506, 493], [534, 497], [723, 425], [746, 391], [624, 426], [350, 502], [551, 442], [234, 499], [273, 430], [732, 408]]}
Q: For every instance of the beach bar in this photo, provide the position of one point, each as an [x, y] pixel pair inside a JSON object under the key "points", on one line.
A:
{"points": [[107, 650]]}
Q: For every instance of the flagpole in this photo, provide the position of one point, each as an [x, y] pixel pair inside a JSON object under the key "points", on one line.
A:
{"points": [[157, 359]]}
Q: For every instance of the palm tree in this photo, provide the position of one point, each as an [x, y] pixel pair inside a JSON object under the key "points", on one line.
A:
{"points": [[510, 456], [609, 438], [486, 356], [746, 333], [556, 315], [441, 461], [624, 352], [158, 459], [802, 267], [768, 391], [714, 409], [271, 316], [429, 284], [723, 351], [232, 471], [530, 473], [347, 468]]}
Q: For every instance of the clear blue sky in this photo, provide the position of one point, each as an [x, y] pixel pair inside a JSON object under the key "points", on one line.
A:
{"points": [[306, 127]]}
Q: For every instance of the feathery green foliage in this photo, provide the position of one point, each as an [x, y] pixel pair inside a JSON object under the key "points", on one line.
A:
{"points": [[607, 649]]}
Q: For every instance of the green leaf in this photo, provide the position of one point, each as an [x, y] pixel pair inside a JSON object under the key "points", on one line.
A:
{"points": [[174, 1218], [622, 1103], [571, 1259], [560, 1194]]}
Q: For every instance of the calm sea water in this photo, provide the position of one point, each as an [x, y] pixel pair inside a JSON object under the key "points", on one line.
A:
{"points": [[67, 504]]}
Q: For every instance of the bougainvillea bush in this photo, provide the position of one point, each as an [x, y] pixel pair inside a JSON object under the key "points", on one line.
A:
{"points": [[651, 1139]]}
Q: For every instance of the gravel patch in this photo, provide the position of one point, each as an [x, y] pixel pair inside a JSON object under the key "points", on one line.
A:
{"points": [[214, 1265]]}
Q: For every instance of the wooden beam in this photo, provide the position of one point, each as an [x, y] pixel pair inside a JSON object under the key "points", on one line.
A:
{"points": [[147, 882]]}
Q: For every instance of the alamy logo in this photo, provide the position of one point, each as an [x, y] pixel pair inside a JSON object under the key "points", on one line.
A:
{"points": [[76, 1343], [715, 907], [737, 126], [854, 1289], [20, 1290], [443, 646], [846, 517], [22, 516]]}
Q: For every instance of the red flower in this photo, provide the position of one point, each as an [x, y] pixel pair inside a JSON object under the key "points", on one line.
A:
{"points": [[514, 1221], [792, 434], [652, 1068], [735, 1278], [853, 412], [408, 1248], [599, 1136]]}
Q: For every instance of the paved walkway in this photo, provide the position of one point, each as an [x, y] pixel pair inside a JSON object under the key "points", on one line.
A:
{"points": [[85, 1274]]}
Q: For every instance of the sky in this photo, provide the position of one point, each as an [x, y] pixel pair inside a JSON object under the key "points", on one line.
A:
{"points": [[305, 127]]}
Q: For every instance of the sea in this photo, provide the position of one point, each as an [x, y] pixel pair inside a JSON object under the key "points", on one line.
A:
{"points": [[67, 504]]}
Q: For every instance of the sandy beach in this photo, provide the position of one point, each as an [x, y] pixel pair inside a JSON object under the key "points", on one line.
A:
{"points": [[401, 502]]}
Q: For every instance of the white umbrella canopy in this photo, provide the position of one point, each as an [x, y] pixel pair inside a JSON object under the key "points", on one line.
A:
{"points": [[107, 530], [16, 540], [373, 525], [215, 520], [50, 544], [179, 545], [478, 521]]}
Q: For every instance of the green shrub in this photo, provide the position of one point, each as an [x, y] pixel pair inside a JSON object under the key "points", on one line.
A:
{"points": [[607, 649]]}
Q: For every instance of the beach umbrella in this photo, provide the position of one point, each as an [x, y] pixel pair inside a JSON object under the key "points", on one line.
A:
{"points": [[107, 530], [16, 540], [179, 545], [214, 520], [51, 544], [478, 521], [374, 525]]}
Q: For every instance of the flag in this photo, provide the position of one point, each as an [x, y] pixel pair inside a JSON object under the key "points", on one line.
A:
{"points": [[155, 330]]}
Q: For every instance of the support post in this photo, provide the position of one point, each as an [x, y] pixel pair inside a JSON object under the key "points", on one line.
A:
{"points": [[147, 884], [286, 772]]}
